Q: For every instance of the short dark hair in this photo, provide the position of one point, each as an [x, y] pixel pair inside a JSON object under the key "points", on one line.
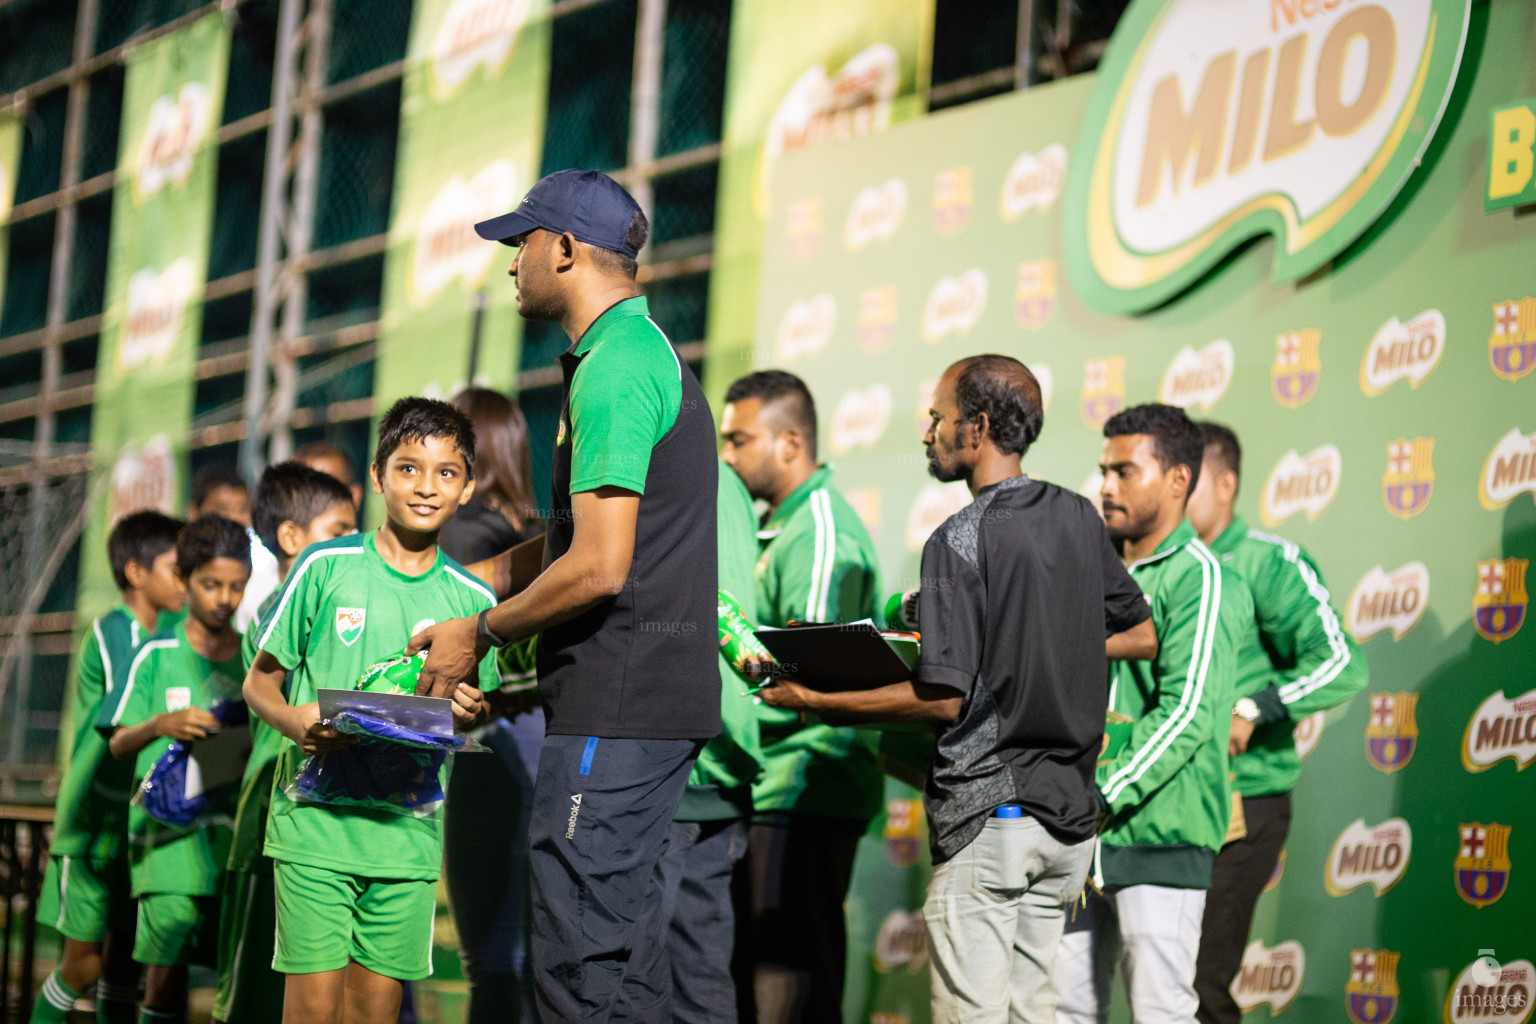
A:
{"points": [[1227, 450], [140, 537], [1175, 438], [416, 419], [208, 537], [634, 236], [210, 478], [325, 450], [1009, 395], [291, 492], [772, 385]]}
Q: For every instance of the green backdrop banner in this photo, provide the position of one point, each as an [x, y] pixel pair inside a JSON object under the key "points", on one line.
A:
{"points": [[10, 158], [471, 130], [857, 67], [162, 214], [1388, 412]]}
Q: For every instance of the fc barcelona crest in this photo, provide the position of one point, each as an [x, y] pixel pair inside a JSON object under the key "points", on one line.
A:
{"points": [[1034, 300], [1370, 995], [1410, 477], [1482, 863], [951, 200], [1512, 345], [1391, 734], [1498, 607], [1293, 377], [877, 318], [1103, 389], [349, 624]]}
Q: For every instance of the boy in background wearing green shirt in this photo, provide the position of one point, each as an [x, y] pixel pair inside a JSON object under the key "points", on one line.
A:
{"points": [[295, 506], [87, 894], [167, 695], [356, 886]]}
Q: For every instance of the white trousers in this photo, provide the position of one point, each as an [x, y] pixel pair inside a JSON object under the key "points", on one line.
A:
{"points": [[1152, 933]]}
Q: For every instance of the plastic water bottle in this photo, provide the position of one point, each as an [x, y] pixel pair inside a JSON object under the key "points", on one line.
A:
{"points": [[738, 642]]}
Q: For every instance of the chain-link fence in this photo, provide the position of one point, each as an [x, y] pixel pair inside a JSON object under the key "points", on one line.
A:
{"points": [[40, 527]]}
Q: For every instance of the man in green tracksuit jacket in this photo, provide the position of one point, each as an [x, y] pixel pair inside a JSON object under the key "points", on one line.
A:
{"points": [[1166, 793], [820, 785], [709, 834], [1301, 661]]}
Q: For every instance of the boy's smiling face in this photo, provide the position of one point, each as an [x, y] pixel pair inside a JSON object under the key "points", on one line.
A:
{"points": [[424, 481], [214, 590]]}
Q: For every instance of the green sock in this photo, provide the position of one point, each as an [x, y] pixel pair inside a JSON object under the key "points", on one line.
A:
{"points": [[54, 1001], [115, 1003]]}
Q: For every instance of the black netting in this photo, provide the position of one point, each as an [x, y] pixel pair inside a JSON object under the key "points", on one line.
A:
{"points": [[237, 206], [337, 376], [972, 36], [213, 455], [591, 63], [103, 116], [693, 74], [226, 318], [543, 341], [252, 52], [366, 34], [61, 595], [79, 355], [88, 265], [1094, 20], [25, 306], [684, 204], [37, 38], [120, 20], [357, 166], [679, 305], [19, 430], [45, 689], [72, 425], [227, 392], [42, 146], [349, 291], [20, 373]]}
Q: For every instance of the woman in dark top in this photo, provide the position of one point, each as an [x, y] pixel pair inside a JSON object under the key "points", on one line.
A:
{"points": [[490, 798]]}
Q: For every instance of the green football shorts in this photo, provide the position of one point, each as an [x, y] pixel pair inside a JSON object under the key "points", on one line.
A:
{"points": [[250, 991], [176, 930], [325, 918], [84, 899]]}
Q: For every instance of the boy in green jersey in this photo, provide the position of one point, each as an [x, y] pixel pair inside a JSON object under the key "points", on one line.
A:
{"points": [[295, 506], [86, 893], [356, 886], [170, 688]]}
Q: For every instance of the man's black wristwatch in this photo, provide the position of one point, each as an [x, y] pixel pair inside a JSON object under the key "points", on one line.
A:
{"points": [[484, 629]]}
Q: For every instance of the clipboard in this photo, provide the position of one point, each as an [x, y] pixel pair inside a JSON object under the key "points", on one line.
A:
{"points": [[218, 760], [833, 656], [433, 715]]}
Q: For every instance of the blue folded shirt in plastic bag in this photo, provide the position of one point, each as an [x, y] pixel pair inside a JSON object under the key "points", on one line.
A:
{"points": [[388, 767], [163, 793]]}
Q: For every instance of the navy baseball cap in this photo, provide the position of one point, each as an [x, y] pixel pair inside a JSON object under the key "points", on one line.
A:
{"points": [[589, 204]]}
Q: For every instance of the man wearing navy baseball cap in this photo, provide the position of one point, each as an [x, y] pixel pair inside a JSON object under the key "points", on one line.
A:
{"points": [[624, 606]]}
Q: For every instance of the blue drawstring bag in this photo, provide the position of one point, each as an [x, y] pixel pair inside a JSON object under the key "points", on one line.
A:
{"points": [[163, 793], [388, 766]]}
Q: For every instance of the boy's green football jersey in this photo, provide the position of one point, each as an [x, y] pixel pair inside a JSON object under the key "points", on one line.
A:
{"points": [[818, 564], [91, 812], [168, 675], [1300, 661], [342, 609], [256, 786], [1167, 790]]}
